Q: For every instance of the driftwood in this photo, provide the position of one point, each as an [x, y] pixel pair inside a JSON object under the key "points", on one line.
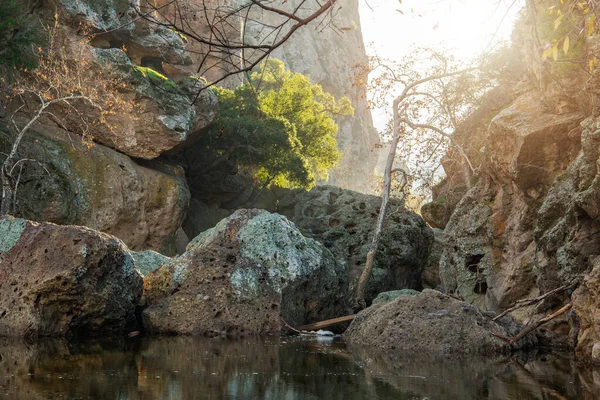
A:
{"points": [[529, 302], [535, 325], [329, 322], [307, 329]]}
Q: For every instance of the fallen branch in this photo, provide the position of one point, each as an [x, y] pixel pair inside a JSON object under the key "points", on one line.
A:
{"points": [[527, 302], [534, 326], [329, 322]]}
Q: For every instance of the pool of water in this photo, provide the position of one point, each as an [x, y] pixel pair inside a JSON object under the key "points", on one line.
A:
{"points": [[272, 368]]}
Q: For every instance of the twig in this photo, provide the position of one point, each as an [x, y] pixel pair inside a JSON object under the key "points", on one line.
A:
{"points": [[294, 329], [534, 326], [527, 302]]}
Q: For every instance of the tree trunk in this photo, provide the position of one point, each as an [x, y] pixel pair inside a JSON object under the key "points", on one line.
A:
{"points": [[7, 193], [360, 302]]}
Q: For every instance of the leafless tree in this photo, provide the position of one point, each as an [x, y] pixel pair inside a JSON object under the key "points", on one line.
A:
{"points": [[431, 95], [232, 37], [67, 90]]}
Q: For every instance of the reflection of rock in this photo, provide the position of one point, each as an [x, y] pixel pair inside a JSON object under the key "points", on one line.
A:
{"points": [[102, 189], [432, 324], [519, 377], [271, 368], [343, 221], [64, 280], [241, 277]]}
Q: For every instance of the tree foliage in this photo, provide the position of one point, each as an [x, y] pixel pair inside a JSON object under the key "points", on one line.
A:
{"points": [[279, 126]]}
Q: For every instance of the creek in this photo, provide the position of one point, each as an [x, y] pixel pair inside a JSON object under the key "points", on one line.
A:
{"points": [[290, 368]]}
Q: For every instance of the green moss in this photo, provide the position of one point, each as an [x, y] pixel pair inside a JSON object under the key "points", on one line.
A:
{"points": [[156, 77], [181, 35]]}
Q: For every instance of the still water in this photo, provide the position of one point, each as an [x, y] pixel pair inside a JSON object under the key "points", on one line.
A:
{"points": [[271, 368]]}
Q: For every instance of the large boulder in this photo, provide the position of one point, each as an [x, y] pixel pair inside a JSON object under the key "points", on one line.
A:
{"points": [[64, 281], [242, 277], [167, 114], [343, 221], [142, 204], [157, 107], [432, 324]]}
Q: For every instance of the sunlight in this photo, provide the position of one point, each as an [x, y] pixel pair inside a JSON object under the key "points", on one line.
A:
{"points": [[466, 28]]}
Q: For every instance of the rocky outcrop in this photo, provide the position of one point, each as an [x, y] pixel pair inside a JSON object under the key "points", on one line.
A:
{"points": [[101, 189], [241, 277], [343, 221], [329, 59], [528, 222], [64, 281], [326, 55], [163, 113], [166, 114], [432, 324]]}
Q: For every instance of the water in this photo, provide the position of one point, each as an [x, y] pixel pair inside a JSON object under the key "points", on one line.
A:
{"points": [[271, 368]]}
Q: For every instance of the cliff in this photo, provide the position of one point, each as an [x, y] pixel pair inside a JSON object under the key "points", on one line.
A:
{"points": [[527, 222]]}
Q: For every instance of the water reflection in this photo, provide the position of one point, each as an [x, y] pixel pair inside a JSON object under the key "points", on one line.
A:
{"points": [[270, 368]]}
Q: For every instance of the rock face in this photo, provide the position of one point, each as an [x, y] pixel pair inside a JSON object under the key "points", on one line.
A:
{"points": [[434, 324], [101, 189], [528, 222], [166, 113], [324, 55], [64, 281], [343, 221], [328, 58], [241, 277]]}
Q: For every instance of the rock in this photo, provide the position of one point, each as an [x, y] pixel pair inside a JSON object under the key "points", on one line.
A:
{"points": [[74, 282], [120, 26], [343, 221], [148, 261], [200, 217], [529, 146], [164, 109], [431, 273], [586, 304], [432, 324], [181, 241], [386, 297], [101, 189], [325, 57], [241, 277], [166, 114]]}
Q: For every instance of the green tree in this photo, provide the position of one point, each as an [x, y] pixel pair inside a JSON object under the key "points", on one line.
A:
{"points": [[279, 127]]}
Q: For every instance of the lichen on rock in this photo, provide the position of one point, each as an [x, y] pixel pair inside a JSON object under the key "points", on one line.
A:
{"points": [[241, 277], [75, 281]]}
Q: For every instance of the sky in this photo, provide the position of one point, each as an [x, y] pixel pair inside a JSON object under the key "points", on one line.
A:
{"points": [[465, 27]]}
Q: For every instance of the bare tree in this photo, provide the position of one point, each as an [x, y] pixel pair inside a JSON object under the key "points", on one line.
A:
{"points": [[232, 37], [69, 91], [426, 108]]}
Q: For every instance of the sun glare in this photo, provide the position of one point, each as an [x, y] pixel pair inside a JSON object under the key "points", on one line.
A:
{"points": [[465, 28]]}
